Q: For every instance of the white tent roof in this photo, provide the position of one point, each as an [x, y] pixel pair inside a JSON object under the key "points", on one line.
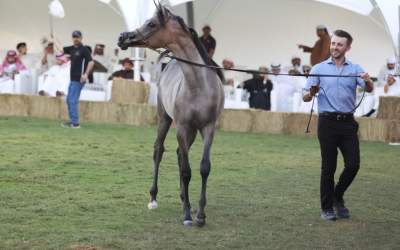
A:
{"points": [[389, 12]]}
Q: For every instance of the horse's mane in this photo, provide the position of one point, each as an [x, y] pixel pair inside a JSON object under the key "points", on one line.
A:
{"points": [[199, 46]]}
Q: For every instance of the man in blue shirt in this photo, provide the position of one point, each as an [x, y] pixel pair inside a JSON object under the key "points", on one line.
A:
{"points": [[336, 125]]}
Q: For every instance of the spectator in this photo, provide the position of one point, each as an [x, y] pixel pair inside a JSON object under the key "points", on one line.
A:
{"points": [[57, 78], [81, 66], [321, 50], [392, 86], [232, 79], [27, 59], [126, 73], [284, 89], [101, 62], [387, 70], [10, 67], [208, 41], [296, 65], [48, 58], [260, 88]]}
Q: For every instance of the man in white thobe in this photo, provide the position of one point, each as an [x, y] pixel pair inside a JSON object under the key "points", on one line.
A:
{"points": [[284, 89], [57, 78]]}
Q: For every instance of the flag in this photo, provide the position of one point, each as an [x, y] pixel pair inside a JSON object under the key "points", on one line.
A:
{"points": [[56, 9]]}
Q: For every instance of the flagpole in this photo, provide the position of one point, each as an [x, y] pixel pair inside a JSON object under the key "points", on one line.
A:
{"points": [[51, 22]]}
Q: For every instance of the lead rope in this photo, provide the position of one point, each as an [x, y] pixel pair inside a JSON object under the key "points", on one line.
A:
{"points": [[166, 54], [330, 104]]}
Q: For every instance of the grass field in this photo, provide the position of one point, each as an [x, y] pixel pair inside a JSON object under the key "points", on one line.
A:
{"points": [[76, 189]]}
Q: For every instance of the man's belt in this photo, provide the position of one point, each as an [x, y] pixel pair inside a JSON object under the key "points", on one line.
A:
{"points": [[337, 116]]}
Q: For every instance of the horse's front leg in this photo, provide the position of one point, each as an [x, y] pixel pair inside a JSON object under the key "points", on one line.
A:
{"points": [[163, 127], [185, 137], [205, 167]]}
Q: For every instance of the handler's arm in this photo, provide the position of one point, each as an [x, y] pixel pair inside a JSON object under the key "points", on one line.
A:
{"points": [[369, 85]]}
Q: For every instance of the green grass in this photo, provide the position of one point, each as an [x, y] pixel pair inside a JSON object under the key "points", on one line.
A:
{"points": [[61, 189]]}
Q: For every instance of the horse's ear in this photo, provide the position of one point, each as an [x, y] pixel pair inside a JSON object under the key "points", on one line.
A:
{"points": [[161, 13]]}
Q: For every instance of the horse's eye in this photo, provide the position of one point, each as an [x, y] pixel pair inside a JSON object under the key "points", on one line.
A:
{"points": [[151, 25]]}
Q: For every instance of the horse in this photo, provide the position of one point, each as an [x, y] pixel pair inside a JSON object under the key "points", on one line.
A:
{"points": [[189, 95]]}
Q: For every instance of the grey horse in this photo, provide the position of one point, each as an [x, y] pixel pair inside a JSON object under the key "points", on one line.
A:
{"points": [[191, 96]]}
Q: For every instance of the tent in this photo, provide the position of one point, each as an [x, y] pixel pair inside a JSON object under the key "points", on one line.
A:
{"points": [[388, 13], [251, 34]]}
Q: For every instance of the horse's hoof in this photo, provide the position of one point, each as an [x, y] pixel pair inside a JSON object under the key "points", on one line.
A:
{"points": [[200, 222], [188, 223], [152, 205]]}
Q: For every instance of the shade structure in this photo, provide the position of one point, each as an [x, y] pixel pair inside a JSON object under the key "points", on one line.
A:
{"points": [[389, 14]]}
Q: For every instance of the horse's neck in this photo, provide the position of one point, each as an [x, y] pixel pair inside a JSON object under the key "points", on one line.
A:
{"points": [[195, 77]]}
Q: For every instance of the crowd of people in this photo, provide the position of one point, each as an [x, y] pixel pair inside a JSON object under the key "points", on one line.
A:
{"points": [[268, 90], [52, 67]]}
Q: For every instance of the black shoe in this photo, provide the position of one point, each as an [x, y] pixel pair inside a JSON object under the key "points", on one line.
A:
{"points": [[70, 125], [328, 215], [341, 211]]}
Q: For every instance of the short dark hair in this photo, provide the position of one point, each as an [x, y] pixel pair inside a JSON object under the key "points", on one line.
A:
{"points": [[19, 45], [345, 34]]}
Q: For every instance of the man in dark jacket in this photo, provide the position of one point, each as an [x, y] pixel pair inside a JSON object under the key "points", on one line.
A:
{"points": [[260, 88]]}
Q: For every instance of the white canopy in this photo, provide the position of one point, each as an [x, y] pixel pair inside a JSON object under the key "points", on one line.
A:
{"points": [[135, 12], [388, 13]]}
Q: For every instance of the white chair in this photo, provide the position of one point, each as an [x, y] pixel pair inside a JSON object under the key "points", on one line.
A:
{"points": [[23, 83], [99, 91]]}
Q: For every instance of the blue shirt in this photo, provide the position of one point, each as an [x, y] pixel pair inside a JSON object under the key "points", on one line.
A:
{"points": [[340, 91]]}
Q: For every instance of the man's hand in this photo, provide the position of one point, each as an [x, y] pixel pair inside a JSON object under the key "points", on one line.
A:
{"points": [[308, 96], [369, 85], [314, 90], [391, 80], [84, 78], [366, 77]]}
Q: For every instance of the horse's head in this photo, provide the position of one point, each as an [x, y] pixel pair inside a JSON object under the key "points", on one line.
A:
{"points": [[154, 33]]}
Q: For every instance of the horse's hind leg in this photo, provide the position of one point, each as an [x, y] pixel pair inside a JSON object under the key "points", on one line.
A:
{"points": [[163, 127], [205, 167], [185, 136]]}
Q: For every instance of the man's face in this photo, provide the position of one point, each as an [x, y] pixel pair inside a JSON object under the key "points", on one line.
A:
{"points": [[339, 47], [225, 64], [296, 61], [128, 66], [320, 32], [11, 59], [77, 40], [50, 48], [276, 70], [206, 31], [99, 50], [263, 70], [391, 66], [23, 50]]}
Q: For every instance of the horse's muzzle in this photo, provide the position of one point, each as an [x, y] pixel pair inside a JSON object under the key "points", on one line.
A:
{"points": [[124, 40]]}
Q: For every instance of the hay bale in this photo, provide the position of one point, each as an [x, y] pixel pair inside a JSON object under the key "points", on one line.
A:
{"points": [[372, 129], [268, 122], [296, 124], [45, 107], [236, 120], [14, 105], [393, 131], [129, 92], [389, 108], [137, 114]]}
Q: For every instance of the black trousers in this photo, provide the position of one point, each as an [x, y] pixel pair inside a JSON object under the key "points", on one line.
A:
{"points": [[334, 135]]}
